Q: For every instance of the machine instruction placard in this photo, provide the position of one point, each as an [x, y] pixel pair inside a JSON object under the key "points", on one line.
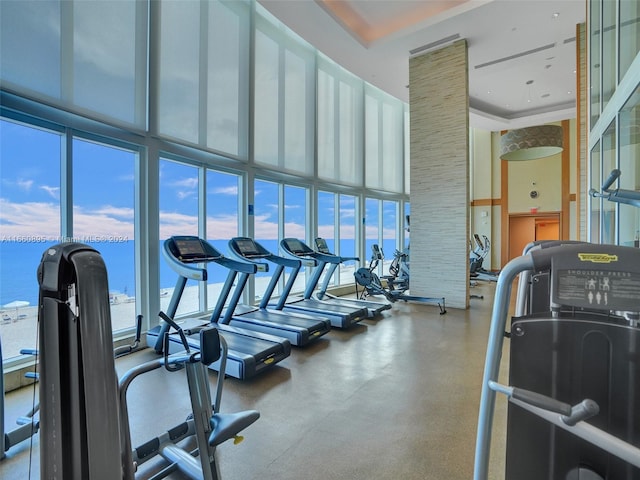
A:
{"points": [[597, 289]]}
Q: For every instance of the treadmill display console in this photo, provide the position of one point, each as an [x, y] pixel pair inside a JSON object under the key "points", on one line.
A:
{"points": [[190, 250], [295, 247], [248, 247], [322, 246]]}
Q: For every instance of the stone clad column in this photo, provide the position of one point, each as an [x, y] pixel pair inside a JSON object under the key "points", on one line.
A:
{"points": [[439, 142]]}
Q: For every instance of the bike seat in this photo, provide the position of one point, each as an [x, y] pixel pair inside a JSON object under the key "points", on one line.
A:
{"points": [[228, 425]]}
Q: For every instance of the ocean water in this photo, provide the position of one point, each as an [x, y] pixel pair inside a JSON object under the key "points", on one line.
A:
{"points": [[19, 263]]}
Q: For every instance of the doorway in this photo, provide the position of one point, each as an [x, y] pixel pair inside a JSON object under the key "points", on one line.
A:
{"points": [[526, 228]]}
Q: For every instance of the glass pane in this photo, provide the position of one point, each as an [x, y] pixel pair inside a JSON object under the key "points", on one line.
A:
{"points": [[609, 45], [30, 45], [104, 57], [222, 223], [266, 122], [347, 245], [295, 212], [295, 114], [407, 154], [326, 126], [348, 166], [29, 223], [391, 159], [371, 143], [326, 218], [629, 224], [295, 220], [389, 230], [226, 71], [594, 62], [266, 215], [595, 203], [608, 163], [407, 224], [178, 216], [629, 34], [178, 98], [372, 207], [103, 217]]}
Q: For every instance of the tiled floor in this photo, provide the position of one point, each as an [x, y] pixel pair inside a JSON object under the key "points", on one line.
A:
{"points": [[392, 398]]}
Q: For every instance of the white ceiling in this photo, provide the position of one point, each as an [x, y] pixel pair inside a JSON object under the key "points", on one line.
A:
{"points": [[511, 42]]}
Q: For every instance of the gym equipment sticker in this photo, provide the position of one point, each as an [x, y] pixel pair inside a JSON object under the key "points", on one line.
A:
{"points": [[598, 289], [597, 257]]}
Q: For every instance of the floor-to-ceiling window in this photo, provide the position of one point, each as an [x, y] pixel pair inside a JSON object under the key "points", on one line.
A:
{"points": [[223, 204], [614, 76], [29, 223], [629, 146], [147, 119], [104, 216], [179, 194]]}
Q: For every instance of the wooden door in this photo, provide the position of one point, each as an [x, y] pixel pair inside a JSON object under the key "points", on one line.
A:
{"points": [[527, 228]]}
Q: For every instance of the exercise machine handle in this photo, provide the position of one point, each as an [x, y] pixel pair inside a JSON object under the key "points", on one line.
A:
{"points": [[533, 398], [542, 401], [170, 366], [613, 176], [585, 409]]}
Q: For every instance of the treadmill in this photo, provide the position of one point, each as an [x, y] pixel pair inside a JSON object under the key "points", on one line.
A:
{"points": [[373, 308], [250, 353], [297, 327], [341, 316]]}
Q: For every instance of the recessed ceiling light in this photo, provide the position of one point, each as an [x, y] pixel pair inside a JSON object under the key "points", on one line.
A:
{"points": [[555, 15]]}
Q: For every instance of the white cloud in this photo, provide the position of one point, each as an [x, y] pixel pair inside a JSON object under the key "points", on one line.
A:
{"points": [[30, 219], [42, 220], [122, 212], [172, 223], [54, 192], [347, 213], [222, 227], [25, 184], [326, 231], [265, 230], [182, 194], [294, 230], [190, 182], [225, 190]]}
